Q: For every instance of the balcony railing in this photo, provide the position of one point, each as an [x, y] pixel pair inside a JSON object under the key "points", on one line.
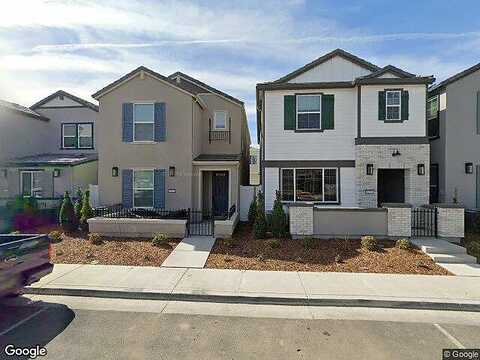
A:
{"points": [[220, 135]]}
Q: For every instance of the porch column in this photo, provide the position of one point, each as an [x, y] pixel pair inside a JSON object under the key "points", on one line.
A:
{"points": [[399, 220], [450, 221]]}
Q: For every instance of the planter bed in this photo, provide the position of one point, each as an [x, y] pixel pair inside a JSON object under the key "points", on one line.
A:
{"points": [[246, 253]]}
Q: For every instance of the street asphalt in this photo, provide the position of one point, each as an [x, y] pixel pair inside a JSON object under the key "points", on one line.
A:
{"points": [[84, 328]]}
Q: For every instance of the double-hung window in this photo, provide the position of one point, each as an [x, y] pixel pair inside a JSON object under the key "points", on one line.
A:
{"points": [[220, 120], [308, 112], [143, 122], [432, 117], [143, 188], [393, 104], [31, 183], [310, 185], [77, 136]]}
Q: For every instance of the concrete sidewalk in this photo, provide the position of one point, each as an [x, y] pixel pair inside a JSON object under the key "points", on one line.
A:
{"points": [[327, 288], [192, 252]]}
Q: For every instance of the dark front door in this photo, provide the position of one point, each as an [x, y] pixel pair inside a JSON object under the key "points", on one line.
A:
{"points": [[433, 183], [220, 193], [391, 186]]}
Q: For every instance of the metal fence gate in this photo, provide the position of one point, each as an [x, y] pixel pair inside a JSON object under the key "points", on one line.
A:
{"points": [[424, 222], [200, 223]]}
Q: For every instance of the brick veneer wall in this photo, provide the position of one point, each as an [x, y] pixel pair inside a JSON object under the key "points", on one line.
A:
{"points": [[450, 221], [399, 221], [301, 220]]}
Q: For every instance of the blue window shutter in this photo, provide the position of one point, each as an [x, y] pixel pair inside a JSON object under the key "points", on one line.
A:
{"points": [[404, 110], [127, 188], [160, 122], [159, 189], [127, 122]]}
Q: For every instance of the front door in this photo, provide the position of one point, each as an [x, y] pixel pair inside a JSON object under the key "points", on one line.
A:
{"points": [[391, 186], [220, 193]]}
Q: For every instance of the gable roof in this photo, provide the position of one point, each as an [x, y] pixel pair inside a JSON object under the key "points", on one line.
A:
{"points": [[198, 86], [10, 106], [70, 96], [337, 52], [455, 77], [389, 69], [152, 73]]}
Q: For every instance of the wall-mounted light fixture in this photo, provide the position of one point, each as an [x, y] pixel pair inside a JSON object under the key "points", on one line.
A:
{"points": [[56, 173], [369, 169], [468, 168], [171, 171], [396, 153], [114, 171], [421, 169]]}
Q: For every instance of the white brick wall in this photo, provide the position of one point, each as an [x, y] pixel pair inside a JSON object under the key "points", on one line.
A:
{"points": [[451, 222], [301, 220], [399, 221]]}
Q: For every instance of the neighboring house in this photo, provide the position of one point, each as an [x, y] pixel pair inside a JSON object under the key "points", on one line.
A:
{"points": [[453, 112], [341, 131], [254, 165], [170, 142], [56, 152]]}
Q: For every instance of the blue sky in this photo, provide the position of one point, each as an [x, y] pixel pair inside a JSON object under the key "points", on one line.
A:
{"points": [[81, 45]]}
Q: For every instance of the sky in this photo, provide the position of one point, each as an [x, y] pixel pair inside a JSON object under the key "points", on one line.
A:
{"points": [[81, 45]]}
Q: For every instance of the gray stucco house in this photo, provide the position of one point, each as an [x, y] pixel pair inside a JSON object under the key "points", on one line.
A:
{"points": [[453, 112], [49, 148], [170, 143]]}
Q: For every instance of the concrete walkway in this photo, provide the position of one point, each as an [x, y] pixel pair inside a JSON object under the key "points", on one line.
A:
{"points": [[327, 288], [192, 252], [450, 256]]}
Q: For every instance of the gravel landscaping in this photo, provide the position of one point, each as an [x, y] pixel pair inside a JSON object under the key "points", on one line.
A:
{"points": [[244, 252]]}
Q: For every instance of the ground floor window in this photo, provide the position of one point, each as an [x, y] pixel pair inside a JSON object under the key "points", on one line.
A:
{"points": [[143, 188], [30, 182], [313, 185]]}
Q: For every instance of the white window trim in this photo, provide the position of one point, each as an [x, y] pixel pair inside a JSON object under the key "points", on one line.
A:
{"points": [[144, 122], [77, 136], [215, 127], [308, 112], [68, 136], [32, 189], [436, 97], [337, 172], [135, 188], [399, 105]]}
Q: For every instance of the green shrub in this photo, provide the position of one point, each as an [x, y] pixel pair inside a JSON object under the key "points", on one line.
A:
{"points": [[403, 244], [274, 243], [95, 238], [160, 239], [279, 219], [229, 242], [476, 224], [30, 205], [68, 220], [260, 225], [473, 248], [369, 242], [55, 236], [86, 212], [252, 211], [309, 242], [78, 204]]}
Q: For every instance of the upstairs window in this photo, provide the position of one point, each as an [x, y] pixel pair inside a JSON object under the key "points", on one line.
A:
{"points": [[77, 136], [432, 107], [308, 112], [220, 120], [143, 122], [393, 104]]}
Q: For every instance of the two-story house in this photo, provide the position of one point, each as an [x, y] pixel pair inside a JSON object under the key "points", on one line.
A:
{"points": [[341, 131], [170, 142], [50, 147], [453, 111]]}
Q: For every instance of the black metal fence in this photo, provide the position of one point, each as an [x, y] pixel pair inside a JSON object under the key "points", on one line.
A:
{"points": [[424, 222], [200, 223], [472, 221], [118, 211]]}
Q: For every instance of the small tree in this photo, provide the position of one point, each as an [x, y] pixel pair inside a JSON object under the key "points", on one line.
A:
{"points": [[252, 211], [279, 219], [260, 225], [78, 204], [86, 212], [67, 217]]}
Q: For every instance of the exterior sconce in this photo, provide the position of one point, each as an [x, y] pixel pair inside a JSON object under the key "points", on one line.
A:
{"points": [[396, 153], [421, 169], [469, 168], [369, 169], [56, 173], [171, 171], [114, 171]]}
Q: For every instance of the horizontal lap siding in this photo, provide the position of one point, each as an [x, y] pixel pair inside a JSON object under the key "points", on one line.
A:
{"points": [[337, 144], [271, 185]]}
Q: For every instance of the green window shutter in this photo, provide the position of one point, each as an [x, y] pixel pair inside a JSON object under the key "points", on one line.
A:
{"points": [[404, 105], [328, 102], [289, 112], [381, 105], [478, 112]]}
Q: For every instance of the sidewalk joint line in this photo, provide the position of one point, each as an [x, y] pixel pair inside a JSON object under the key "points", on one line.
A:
{"points": [[178, 282], [23, 321], [450, 337]]}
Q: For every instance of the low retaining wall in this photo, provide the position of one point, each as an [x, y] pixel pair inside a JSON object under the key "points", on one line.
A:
{"points": [[225, 228], [450, 220], [137, 228]]}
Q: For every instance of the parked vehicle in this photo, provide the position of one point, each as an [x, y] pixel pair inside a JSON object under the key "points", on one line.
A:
{"points": [[24, 259]]}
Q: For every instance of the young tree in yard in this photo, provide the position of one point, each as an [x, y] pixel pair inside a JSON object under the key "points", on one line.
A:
{"points": [[252, 211], [279, 219], [79, 203], [67, 218], [260, 225], [87, 211]]}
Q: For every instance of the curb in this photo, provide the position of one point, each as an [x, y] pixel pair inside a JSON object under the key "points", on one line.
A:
{"points": [[238, 299]]}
